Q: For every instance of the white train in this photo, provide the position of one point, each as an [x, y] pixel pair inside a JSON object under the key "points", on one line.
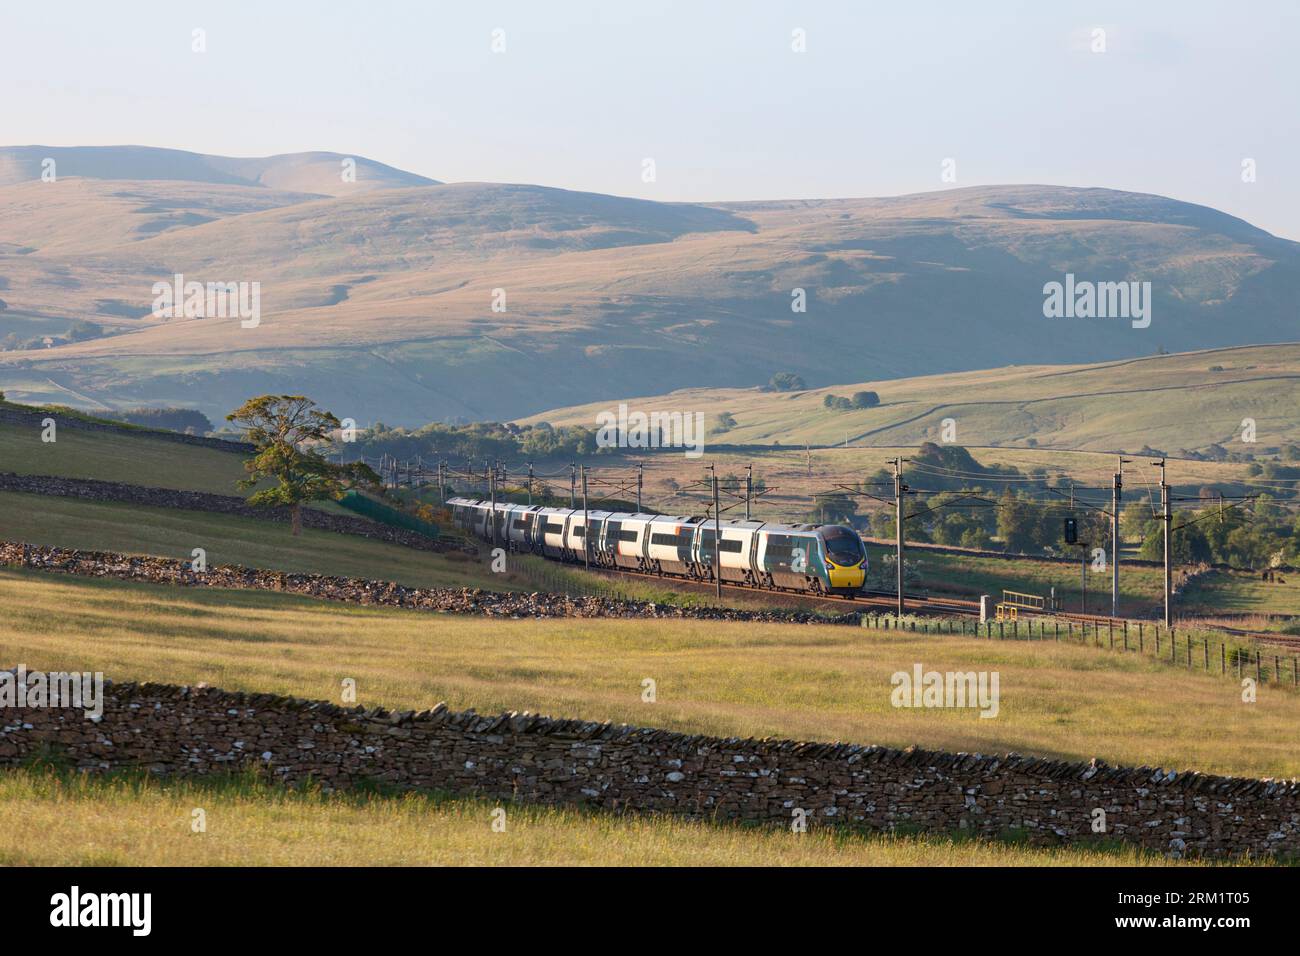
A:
{"points": [[826, 559]]}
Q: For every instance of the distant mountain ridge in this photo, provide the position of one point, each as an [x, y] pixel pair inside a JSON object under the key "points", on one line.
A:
{"points": [[405, 300], [311, 172]]}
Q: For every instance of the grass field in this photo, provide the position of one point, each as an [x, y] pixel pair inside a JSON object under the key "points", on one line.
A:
{"points": [[227, 539], [109, 456], [1243, 593], [970, 576], [806, 682], [55, 819], [1170, 402]]}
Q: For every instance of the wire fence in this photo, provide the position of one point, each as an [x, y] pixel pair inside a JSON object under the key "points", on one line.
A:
{"points": [[1188, 648]]}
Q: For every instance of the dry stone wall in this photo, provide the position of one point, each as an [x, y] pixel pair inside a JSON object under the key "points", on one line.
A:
{"points": [[126, 567], [195, 731]]}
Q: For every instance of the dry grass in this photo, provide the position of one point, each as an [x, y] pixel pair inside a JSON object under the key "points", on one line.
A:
{"points": [[811, 682], [1167, 401], [53, 819]]}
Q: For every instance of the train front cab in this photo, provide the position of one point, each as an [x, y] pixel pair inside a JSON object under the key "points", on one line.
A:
{"points": [[845, 558]]}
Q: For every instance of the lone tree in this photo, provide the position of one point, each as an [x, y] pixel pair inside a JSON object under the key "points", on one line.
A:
{"points": [[287, 431]]}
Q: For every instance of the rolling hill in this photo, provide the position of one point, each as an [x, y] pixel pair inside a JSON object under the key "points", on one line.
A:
{"points": [[1175, 403], [293, 172], [379, 300]]}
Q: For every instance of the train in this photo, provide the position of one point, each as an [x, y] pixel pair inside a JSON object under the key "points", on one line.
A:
{"points": [[813, 559]]}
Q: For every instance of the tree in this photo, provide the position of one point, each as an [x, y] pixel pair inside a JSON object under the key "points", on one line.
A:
{"points": [[1188, 544], [82, 331], [186, 420], [287, 431], [1017, 523], [786, 382], [865, 399]]}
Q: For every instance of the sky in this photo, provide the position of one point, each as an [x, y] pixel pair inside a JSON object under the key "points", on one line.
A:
{"points": [[714, 94]]}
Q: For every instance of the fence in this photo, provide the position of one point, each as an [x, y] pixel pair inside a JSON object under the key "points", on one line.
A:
{"points": [[1184, 649], [378, 511]]}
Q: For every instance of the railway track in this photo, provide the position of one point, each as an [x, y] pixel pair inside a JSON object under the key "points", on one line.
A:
{"points": [[884, 601]]}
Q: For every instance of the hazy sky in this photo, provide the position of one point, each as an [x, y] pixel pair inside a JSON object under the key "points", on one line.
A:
{"points": [[712, 92]]}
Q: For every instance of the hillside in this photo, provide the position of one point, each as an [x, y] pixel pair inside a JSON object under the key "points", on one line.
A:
{"points": [[295, 172], [379, 301], [1178, 402]]}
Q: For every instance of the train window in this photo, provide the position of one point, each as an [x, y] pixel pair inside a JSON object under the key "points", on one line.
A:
{"points": [[730, 545], [842, 545], [628, 535], [682, 540], [552, 528]]}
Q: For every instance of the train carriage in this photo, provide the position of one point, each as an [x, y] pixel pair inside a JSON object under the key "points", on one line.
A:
{"points": [[826, 559], [671, 546], [552, 530], [626, 539]]}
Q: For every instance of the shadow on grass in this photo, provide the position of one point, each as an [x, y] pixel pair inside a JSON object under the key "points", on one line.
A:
{"points": [[51, 771]]}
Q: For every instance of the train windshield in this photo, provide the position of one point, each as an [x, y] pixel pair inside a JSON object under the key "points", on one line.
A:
{"points": [[842, 545]]}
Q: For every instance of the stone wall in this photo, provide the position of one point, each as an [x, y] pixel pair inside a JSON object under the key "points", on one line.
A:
{"points": [[126, 567], [186, 731], [91, 489]]}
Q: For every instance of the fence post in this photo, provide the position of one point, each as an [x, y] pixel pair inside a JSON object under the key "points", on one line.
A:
{"points": [[1257, 677], [1223, 658]]}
